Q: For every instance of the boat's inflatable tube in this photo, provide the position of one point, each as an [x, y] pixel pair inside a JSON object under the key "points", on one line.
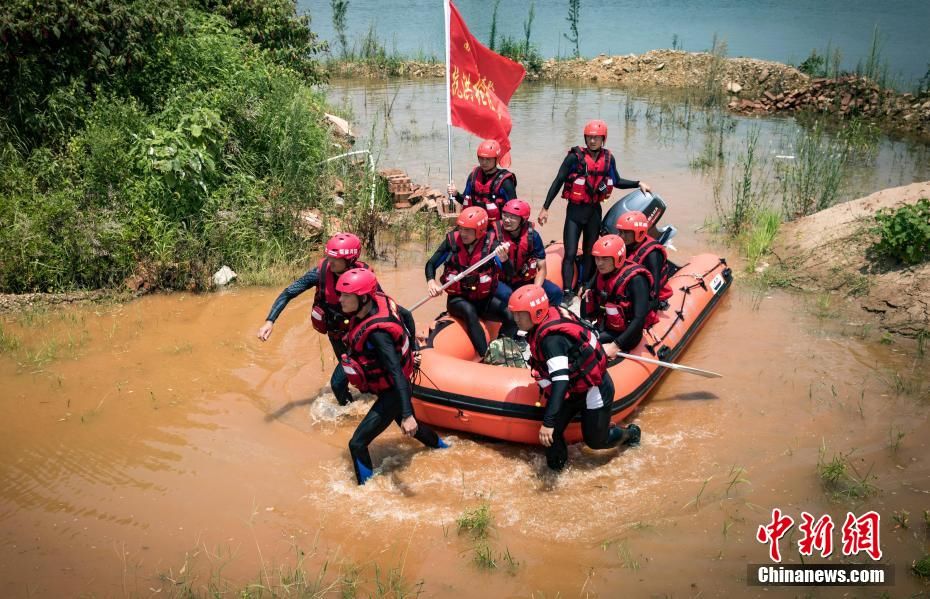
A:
{"points": [[454, 390]]}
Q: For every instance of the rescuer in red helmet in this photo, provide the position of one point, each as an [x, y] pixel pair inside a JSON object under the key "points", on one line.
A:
{"points": [[340, 254], [587, 177], [473, 297], [570, 368], [487, 186], [379, 358]]}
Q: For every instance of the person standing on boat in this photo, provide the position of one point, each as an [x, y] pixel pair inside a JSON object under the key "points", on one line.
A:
{"points": [[379, 358], [570, 367], [526, 258], [633, 228], [620, 300], [340, 254], [487, 186], [587, 177], [473, 297]]}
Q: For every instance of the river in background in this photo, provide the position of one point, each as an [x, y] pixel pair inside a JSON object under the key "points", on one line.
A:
{"points": [[781, 30], [157, 445]]}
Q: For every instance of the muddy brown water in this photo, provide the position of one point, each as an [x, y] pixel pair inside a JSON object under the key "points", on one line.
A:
{"points": [[158, 443]]}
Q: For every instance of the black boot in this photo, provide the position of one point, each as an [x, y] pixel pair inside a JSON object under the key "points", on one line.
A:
{"points": [[624, 436]]}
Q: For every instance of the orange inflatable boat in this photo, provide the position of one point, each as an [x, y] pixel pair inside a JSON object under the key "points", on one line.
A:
{"points": [[454, 390]]}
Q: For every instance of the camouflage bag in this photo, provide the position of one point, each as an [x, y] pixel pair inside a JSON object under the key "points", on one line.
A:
{"points": [[505, 352]]}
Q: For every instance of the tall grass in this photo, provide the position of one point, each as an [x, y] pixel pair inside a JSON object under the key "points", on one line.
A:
{"points": [[748, 189], [573, 18], [714, 93], [813, 180], [492, 36], [340, 8]]}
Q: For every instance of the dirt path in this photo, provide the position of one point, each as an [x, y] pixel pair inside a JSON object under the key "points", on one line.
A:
{"points": [[827, 252]]}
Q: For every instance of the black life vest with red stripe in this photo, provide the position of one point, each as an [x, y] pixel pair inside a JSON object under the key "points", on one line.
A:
{"points": [[587, 361], [645, 248], [611, 303], [326, 315], [361, 364], [525, 265], [487, 193], [590, 182], [480, 283]]}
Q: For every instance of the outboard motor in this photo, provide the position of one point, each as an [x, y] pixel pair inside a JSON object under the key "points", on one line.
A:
{"points": [[649, 204]]}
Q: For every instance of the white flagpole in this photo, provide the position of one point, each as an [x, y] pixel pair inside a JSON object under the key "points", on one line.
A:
{"points": [[448, 94]]}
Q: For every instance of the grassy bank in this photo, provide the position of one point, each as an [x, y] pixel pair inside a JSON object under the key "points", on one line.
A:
{"points": [[160, 140]]}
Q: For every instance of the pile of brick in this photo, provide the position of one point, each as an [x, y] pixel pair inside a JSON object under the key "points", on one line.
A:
{"points": [[411, 196], [845, 97]]}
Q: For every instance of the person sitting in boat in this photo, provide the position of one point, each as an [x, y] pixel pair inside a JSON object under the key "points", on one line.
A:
{"points": [[570, 367], [340, 254], [487, 186], [526, 259], [587, 177], [379, 358], [633, 228], [473, 297], [619, 297]]}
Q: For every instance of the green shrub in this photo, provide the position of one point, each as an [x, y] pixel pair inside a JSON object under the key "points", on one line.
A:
{"points": [[526, 54], [904, 234], [199, 147]]}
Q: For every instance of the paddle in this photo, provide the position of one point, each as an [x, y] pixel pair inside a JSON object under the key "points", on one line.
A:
{"points": [[460, 276], [704, 373]]}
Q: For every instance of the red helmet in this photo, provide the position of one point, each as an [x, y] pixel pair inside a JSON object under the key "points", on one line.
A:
{"points": [[344, 245], [634, 221], [596, 127], [359, 281], [474, 217], [612, 246], [518, 208], [489, 149], [532, 299]]}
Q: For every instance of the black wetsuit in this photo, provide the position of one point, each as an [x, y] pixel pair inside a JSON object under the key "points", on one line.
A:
{"points": [[580, 219], [392, 405], [310, 280], [639, 293], [563, 407], [491, 308], [654, 263]]}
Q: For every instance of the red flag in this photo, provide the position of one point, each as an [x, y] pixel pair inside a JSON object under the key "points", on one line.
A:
{"points": [[480, 86]]}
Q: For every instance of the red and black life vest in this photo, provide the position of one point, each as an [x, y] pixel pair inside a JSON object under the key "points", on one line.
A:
{"points": [[587, 361], [361, 365], [326, 315], [612, 305], [645, 248], [487, 193], [590, 182], [480, 283], [521, 255]]}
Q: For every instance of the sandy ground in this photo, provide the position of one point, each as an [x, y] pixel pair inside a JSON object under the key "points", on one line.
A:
{"points": [[828, 252]]}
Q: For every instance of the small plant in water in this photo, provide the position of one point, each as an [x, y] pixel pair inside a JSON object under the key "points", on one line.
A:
{"points": [[894, 439], [921, 567], [736, 478], [901, 519], [484, 557], [841, 479], [476, 522], [626, 557]]}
